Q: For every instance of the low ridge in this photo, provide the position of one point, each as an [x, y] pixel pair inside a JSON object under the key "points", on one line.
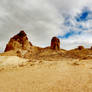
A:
{"points": [[19, 45]]}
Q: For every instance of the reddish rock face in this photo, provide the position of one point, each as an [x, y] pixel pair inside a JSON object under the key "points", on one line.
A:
{"points": [[91, 47], [19, 41], [80, 48], [55, 43]]}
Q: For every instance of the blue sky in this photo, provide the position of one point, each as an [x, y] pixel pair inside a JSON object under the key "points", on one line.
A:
{"points": [[83, 17], [69, 34], [78, 29], [70, 20]]}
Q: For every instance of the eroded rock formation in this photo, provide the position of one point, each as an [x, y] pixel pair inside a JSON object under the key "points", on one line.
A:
{"points": [[55, 43], [80, 47], [91, 47], [19, 41]]}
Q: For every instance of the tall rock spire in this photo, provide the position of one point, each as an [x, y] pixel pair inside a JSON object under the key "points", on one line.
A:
{"points": [[55, 43]]}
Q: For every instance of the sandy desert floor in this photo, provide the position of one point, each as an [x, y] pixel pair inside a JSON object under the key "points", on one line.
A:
{"points": [[67, 75]]}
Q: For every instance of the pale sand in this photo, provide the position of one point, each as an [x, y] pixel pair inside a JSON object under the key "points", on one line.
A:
{"points": [[49, 76]]}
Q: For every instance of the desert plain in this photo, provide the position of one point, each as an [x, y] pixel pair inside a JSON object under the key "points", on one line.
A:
{"points": [[28, 68]]}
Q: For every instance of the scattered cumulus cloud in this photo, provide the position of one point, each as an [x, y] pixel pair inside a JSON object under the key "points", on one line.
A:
{"points": [[42, 19]]}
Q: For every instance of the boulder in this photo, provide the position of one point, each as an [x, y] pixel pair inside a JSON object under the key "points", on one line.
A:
{"points": [[55, 43]]}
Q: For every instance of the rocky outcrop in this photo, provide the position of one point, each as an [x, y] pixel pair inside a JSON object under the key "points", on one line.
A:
{"points": [[19, 41], [91, 47], [80, 47], [55, 43]]}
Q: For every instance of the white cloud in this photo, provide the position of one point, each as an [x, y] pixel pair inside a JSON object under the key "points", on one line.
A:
{"points": [[84, 39], [41, 19]]}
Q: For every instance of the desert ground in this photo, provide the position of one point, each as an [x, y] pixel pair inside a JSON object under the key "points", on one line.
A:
{"points": [[28, 68], [66, 75]]}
